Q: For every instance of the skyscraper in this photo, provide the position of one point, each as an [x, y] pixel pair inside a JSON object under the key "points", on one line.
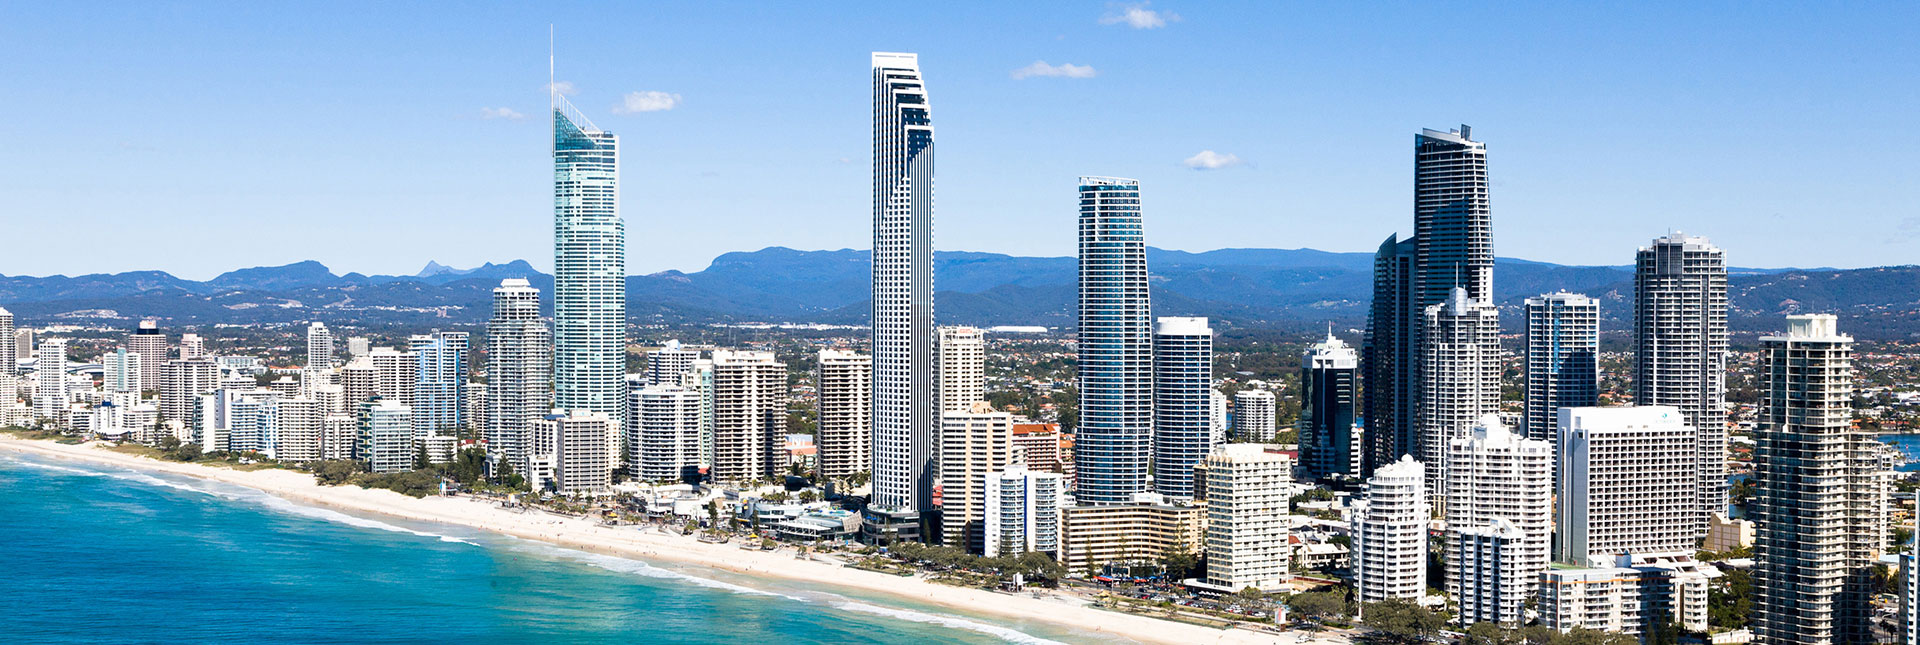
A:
{"points": [[7, 352], [1326, 409], [1023, 512], [906, 414], [319, 346], [664, 434], [1460, 369], [1247, 488], [1562, 359], [1114, 443], [120, 371], [441, 360], [52, 394], [749, 414], [1452, 216], [1452, 247], [589, 268], [519, 381], [1821, 495], [1626, 483], [1496, 476], [1680, 348], [666, 365], [147, 341], [963, 369], [845, 438], [1390, 534], [182, 381], [974, 444], [1182, 402], [1253, 415]]}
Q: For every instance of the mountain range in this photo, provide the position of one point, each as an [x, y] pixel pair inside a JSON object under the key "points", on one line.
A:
{"points": [[1285, 289]]}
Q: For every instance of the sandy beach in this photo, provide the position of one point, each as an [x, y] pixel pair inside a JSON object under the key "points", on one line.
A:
{"points": [[648, 544]]}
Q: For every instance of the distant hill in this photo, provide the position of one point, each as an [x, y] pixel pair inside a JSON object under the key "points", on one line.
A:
{"points": [[1248, 288]]}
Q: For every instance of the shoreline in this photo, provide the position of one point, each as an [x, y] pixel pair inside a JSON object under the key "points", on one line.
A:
{"points": [[587, 535]]}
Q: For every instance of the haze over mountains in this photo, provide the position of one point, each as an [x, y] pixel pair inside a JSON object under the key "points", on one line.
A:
{"points": [[1298, 289]]}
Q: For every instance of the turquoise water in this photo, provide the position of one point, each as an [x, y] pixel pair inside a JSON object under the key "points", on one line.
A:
{"points": [[99, 554]]}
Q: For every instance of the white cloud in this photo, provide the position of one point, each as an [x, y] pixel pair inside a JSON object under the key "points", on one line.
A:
{"points": [[1210, 160], [636, 102], [1064, 70], [501, 113], [563, 88], [1138, 16]]}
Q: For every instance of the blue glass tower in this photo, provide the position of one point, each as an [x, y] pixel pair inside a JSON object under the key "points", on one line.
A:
{"points": [[1113, 446]]}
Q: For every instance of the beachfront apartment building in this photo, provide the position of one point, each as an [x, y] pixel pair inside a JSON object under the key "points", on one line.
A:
{"points": [[1024, 511], [1141, 531], [1247, 487], [386, 437], [845, 436], [1389, 531], [974, 444]]}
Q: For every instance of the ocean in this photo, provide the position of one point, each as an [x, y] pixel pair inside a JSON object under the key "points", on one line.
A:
{"points": [[1907, 444], [101, 554]]}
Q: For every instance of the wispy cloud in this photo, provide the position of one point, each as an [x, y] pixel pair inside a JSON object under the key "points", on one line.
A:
{"points": [[1210, 160], [1040, 68], [509, 114], [563, 88], [637, 102], [1138, 16]]}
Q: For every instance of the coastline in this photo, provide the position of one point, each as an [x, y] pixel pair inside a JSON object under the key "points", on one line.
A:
{"points": [[631, 542]]}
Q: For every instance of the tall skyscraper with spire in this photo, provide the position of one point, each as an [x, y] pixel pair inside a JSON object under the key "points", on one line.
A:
{"points": [[589, 267], [1451, 248], [1113, 446], [906, 401], [1680, 348]]}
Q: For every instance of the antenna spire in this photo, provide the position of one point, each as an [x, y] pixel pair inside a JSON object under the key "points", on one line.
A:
{"points": [[550, 88]]}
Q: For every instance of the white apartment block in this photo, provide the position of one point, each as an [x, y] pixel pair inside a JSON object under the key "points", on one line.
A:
{"points": [[1492, 563], [1498, 476], [1253, 415], [1390, 534], [845, 434], [1627, 483], [386, 443], [669, 364], [749, 414], [338, 434], [1636, 592], [1247, 489], [50, 374], [974, 444], [665, 432], [963, 368], [1024, 512], [298, 434], [583, 455]]}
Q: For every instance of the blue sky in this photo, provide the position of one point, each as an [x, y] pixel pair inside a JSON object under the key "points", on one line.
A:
{"points": [[198, 138]]}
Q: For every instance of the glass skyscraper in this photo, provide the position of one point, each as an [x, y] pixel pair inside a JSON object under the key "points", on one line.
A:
{"points": [[589, 268], [439, 400], [1680, 348], [1562, 354], [1114, 444], [1182, 402], [906, 412]]}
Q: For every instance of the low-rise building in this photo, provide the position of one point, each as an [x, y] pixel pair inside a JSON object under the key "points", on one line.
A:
{"points": [[1635, 593], [1142, 531]]}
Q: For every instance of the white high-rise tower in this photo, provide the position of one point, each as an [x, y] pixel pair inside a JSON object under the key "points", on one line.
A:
{"points": [[906, 412], [589, 267], [520, 355]]}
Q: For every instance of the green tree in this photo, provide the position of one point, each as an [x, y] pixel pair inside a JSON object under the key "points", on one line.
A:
{"points": [[1485, 633], [1402, 620], [420, 461], [1180, 564], [1730, 602], [1320, 604]]}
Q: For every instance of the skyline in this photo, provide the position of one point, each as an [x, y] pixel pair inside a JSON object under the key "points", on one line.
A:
{"points": [[207, 115]]}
